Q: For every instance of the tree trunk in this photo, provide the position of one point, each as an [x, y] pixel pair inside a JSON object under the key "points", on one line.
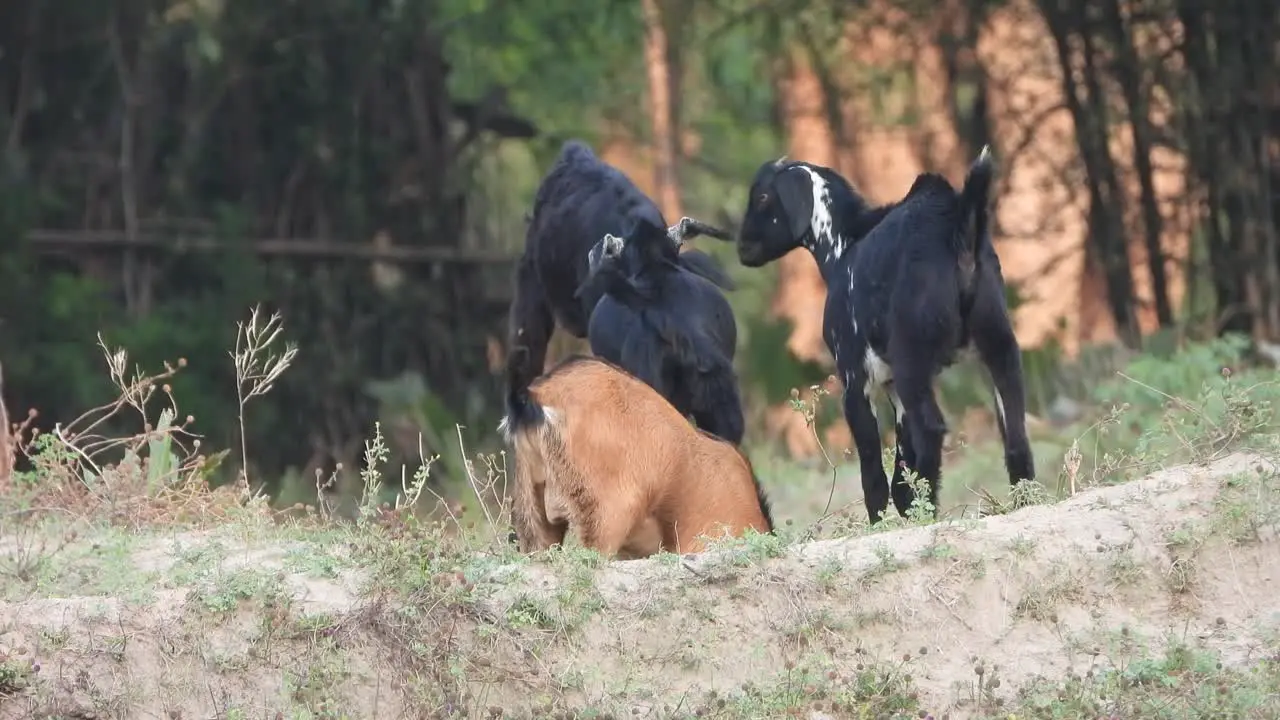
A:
{"points": [[801, 292], [1201, 125], [663, 89], [1129, 74], [1106, 214]]}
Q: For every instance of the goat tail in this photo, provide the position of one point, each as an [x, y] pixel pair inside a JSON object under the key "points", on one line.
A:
{"points": [[530, 428], [523, 411], [974, 200], [763, 498]]}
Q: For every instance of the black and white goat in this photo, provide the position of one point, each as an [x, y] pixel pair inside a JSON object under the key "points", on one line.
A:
{"points": [[580, 200], [670, 328], [909, 284]]}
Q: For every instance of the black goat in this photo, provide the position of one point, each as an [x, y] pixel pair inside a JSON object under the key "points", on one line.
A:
{"points": [[909, 284], [670, 328], [580, 200]]}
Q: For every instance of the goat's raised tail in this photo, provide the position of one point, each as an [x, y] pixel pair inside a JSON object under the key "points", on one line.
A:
{"points": [[522, 410], [974, 200]]}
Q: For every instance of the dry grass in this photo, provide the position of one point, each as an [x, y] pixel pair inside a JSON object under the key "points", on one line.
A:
{"points": [[1137, 582]]}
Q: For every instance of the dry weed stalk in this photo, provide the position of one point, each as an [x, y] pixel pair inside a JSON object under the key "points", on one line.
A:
{"points": [[156, 474], [75, 463], [495, 476], [407, 503], [809, 410], [257, 369]]}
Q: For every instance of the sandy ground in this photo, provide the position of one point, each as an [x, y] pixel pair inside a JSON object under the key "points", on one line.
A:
{"points": [[1046, 590]]}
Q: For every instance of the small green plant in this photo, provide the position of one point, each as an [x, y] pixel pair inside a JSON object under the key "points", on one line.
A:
{"points": [[1181, 683], [16, 672], [810, 409]]}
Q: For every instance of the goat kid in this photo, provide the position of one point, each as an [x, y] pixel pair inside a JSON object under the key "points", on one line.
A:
{"points": [[670, 328], [600, 451], [581, 199], [909, 284]]}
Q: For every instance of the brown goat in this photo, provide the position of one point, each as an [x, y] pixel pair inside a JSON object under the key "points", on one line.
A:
{"points": [[599, 450], [7, 450]]}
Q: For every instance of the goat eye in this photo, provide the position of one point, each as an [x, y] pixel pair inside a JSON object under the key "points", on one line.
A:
{"points": [[764, 198]]}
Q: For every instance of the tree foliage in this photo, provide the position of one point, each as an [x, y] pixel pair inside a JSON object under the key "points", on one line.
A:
{"points": [[337, 127]]}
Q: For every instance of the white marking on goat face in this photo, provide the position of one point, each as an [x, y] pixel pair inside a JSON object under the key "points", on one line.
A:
{"points": [[612, 245], [821, 220]]}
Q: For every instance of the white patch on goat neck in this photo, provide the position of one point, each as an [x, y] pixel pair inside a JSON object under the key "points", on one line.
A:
{"points": [[821, 221]]}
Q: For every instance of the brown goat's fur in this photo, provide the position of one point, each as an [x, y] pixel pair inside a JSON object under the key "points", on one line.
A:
{"points": [[7, 449], [598, 450]]}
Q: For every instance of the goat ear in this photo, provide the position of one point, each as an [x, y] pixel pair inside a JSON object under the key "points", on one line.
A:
{"points": [[645, 230], [652, 240], [794, 189]]}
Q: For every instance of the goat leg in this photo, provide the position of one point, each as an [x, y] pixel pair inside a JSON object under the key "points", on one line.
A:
{"points": [[1000, 353], [861, 417], [689, 228], [925, 423], [904, 456]]}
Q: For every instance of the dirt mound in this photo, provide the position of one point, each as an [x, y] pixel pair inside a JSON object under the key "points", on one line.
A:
{"points": [[248, 623]]}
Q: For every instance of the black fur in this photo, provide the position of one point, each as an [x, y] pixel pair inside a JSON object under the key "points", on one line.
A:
{"points": [[522, 412], [670, 328], [909, 284], [581, 198], [764, 502]]}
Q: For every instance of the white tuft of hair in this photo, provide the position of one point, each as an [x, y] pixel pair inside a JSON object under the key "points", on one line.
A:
{"points": [[504, 425]]}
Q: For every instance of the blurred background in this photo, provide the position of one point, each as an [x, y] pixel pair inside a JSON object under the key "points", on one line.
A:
{"points": [[364, 167]]}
